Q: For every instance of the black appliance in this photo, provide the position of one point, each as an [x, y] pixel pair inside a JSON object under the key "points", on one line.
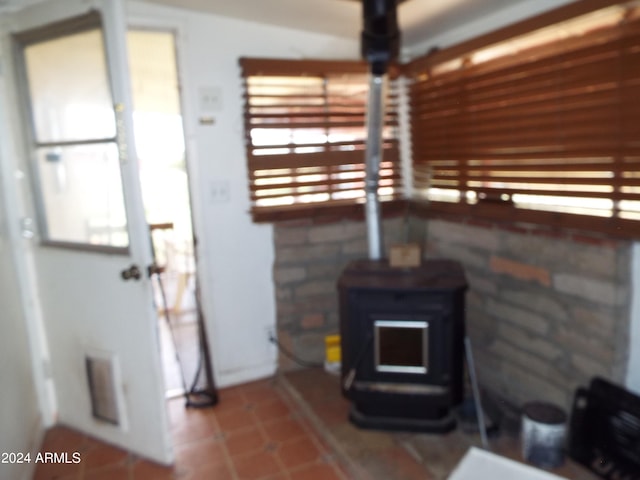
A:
{"points": [[402, 340], [605, 430]]}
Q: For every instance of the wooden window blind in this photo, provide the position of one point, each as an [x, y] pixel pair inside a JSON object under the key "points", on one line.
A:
{"points": [[305, 136], [542, 127]]}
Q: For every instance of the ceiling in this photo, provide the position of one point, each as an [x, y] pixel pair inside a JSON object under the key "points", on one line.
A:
{"points": [[419, 20]]}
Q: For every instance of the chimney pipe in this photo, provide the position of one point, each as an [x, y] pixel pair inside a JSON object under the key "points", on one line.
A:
{"points": [[380, 45], [375, 125]]}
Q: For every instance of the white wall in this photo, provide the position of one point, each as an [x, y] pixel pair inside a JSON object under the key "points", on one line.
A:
{"points": [[236, 255], [21, 422]]}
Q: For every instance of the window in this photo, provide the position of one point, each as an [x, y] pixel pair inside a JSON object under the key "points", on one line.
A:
{"points": [[73, 134], [542, 126], [305, 137]]}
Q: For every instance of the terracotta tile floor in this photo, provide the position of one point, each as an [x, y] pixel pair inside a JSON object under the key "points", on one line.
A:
{"points": [[294, 427], [257, 431]]}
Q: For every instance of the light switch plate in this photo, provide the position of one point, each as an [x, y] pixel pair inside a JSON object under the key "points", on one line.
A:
{"points": [[219, 191], [210, 99]]}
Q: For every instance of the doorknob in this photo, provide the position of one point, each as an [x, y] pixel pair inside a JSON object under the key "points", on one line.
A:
{"points": [[132, 272]]}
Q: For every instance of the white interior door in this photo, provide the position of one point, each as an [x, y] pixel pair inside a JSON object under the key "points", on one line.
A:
{"points": [[93, 247]]}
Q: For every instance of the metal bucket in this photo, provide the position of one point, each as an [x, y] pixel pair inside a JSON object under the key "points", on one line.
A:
{"points": [[544, 429]]}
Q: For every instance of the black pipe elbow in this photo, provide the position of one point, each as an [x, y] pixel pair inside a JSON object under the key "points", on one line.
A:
{"points": [[380, 35]]}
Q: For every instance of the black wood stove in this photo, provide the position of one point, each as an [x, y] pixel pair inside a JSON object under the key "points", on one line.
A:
{"points": [[402, 341]]}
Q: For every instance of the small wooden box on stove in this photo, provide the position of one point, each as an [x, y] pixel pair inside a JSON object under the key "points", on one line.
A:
{"points": [[405, 255]]}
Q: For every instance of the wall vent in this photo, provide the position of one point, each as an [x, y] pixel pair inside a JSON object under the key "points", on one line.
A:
{"points": [[102, 389]]}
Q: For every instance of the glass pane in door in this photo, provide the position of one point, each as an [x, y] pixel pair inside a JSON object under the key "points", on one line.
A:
{"points": [[69, 88], [76, 152], [81, 192]]}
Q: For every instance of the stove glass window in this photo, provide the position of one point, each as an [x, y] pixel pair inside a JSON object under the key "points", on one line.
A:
{"points": [[401, 346]]}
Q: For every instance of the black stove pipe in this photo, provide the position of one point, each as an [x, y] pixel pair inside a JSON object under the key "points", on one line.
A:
{"points": [[380, 40], [380, 45]]}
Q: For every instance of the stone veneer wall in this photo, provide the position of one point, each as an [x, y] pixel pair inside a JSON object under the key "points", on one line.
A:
{"points": [[308, 261], [545, 311]]}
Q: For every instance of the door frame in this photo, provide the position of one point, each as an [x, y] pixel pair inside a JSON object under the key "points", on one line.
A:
{"points": [[196, 190]]}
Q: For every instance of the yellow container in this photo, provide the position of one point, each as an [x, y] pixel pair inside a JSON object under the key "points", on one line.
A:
{"points": [[332, 348]]}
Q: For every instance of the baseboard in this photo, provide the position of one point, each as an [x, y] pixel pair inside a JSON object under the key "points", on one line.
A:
{"points": [[236, 377]]}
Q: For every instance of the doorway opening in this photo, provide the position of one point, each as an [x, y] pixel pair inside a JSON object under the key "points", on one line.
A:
{"points": [[160, 147]]}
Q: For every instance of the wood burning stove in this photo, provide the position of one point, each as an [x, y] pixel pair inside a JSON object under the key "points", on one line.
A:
{"points": [[402, 340], [402, 330]]}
